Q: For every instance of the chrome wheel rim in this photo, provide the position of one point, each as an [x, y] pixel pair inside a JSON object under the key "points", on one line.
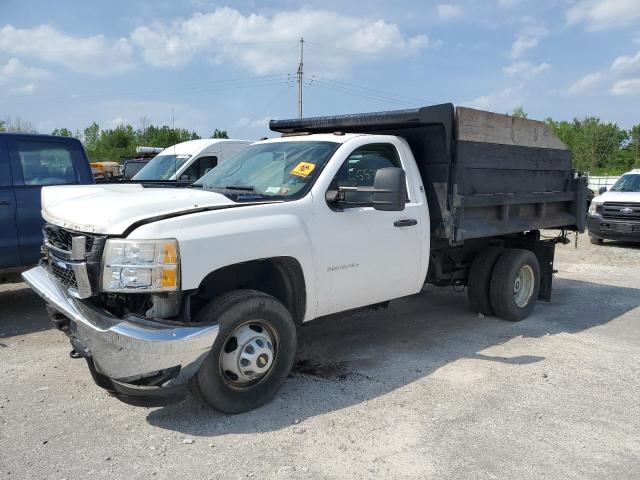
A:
{"points": [[249, 354], [523, 286]]}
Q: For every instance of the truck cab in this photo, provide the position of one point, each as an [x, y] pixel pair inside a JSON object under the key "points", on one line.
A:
{"points": [[190, 160], [29, 162], [615, 213]]}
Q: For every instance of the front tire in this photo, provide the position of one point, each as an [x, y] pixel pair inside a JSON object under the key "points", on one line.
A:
{"points": [[252, 355], [515, 284]]}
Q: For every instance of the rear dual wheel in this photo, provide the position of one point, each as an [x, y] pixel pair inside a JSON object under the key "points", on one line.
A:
{"points": [[504, 282]]}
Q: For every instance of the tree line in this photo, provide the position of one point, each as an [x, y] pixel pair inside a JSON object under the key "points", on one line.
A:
{"points": [[599, 148], [116, 144]]}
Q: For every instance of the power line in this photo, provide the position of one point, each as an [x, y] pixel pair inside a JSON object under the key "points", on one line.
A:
{"points": [[216, 85], [375, 90], [362, 93]]}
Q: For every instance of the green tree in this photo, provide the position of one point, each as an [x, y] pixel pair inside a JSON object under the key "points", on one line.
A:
{"points": [[2, 126], [634, 146], [62, 132], [519, 112], [219, 134], [597, 147], [165, 136], [91, 136]]}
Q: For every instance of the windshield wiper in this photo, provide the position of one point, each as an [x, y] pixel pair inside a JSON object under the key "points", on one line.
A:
{"points": [[195, 185], [247, 188]]}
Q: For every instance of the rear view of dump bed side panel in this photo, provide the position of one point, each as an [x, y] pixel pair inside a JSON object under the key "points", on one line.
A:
{"points": [[512, 175]]}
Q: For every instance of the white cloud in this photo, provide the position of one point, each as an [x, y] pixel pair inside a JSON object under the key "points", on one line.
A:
{"points": [[95, 55], [529, 37], [626, 87], [447, 11], [587, 83], [263, 44], [616, 75], [602, 14], [627, 64], [28, 88], [522, 44], [502, 101], [16, 69], [525, 69]]}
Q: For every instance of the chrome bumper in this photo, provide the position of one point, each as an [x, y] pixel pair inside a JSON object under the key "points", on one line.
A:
{"points": [[121, 349]]}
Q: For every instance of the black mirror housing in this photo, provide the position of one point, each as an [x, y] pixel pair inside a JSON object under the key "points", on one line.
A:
{"points": [[601, 190], [390, 189]]}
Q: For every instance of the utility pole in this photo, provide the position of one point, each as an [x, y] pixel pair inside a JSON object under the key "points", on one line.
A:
{"points": [[300, 77]]}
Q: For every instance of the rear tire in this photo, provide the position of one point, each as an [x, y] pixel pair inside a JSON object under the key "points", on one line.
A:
{"points": [[249, 321], [515, 284], [479, 281]]}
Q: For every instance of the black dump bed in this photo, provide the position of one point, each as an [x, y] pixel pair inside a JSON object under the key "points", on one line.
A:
{"points": [[484, 174]]}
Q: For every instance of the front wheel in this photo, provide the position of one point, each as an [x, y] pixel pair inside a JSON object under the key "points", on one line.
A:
{"points": [[252, 355], [515, 284]]}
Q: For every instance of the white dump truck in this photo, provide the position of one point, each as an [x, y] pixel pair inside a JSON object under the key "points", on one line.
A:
{"points": [[205, 286]]}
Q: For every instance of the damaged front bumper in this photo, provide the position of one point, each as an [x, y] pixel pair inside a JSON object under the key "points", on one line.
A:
{"points": [[141, 361]]}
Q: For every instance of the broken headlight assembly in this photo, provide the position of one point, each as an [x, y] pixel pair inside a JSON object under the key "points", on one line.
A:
{"points": [[141, 265]]}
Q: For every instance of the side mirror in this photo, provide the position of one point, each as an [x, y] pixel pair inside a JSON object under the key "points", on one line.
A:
{"points": [[184, 177], [389, 192], [390, 189], [601, 190]]}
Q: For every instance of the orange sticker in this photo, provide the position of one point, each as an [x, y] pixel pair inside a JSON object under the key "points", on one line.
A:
{"points": [[303, 169]]}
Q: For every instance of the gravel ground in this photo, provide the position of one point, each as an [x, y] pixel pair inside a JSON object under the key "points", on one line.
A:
{"points": [[422, 389]]}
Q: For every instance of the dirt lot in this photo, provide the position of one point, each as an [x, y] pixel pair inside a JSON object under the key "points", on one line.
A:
{"points": [[422, 389]]}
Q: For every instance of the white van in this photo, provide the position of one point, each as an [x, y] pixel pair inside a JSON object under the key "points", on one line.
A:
{"points": [[190, 160]]}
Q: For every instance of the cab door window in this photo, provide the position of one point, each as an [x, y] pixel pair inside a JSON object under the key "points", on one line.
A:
{"points": [[198, 168], [46, 163], [359, 169]]}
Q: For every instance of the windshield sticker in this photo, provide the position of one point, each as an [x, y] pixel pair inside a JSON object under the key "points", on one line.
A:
{"points": [[272, 190], [303, 169]]}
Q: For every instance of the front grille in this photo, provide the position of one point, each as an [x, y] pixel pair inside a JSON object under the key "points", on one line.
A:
{"points": [[65, 276], [621, 211], [61, 237], [59, 256], [621, 227]]}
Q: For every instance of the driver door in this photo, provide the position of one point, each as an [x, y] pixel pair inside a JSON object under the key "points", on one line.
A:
{"points": [[365, 256]]}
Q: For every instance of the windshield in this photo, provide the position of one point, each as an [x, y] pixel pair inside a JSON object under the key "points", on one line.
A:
{"points": [[279, 169], [162, 167], [627, 183]]}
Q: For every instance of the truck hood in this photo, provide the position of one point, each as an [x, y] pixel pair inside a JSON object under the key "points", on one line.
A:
{"points": [[111, 209], [618, 197]]}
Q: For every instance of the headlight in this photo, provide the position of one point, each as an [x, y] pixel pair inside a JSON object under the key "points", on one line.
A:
{"points": [[149, 265], [593, 207]]}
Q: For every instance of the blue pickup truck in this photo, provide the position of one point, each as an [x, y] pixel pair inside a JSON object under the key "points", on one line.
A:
{"points": [[27, 163]]}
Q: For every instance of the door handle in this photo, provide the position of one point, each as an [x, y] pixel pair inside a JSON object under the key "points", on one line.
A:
{"points": [[4, 203], [410, 222]]}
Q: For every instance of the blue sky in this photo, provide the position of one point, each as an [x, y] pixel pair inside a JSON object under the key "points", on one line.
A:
{"points": [[231, 65]]}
